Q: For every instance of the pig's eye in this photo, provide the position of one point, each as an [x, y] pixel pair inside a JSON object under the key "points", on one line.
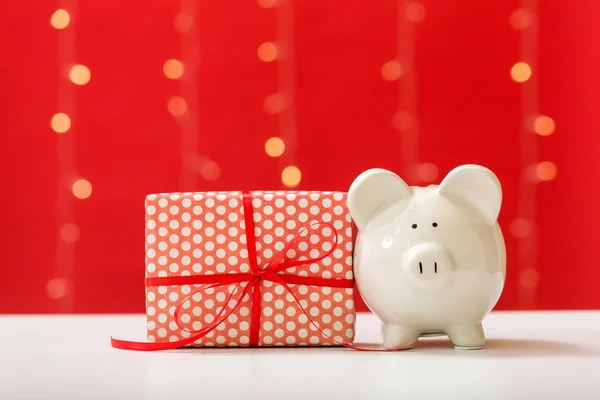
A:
{"points": [[434, 224], [414, 226]]}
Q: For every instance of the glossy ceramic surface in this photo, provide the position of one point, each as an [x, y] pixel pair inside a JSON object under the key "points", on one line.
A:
{"points": [[429, 259]]}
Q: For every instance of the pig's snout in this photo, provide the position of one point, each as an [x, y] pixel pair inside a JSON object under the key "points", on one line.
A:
{"points": [[427, 265]]}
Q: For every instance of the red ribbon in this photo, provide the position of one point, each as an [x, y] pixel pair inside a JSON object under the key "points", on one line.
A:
{"points": [[253, 282]]}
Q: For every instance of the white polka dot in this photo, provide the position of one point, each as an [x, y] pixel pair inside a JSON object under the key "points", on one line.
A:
{"points": [[221, 224], [279, 232], [151, 311], [162, 318], [209, 202], [314, 339], [349, 275], [162, 289], [196, 311], [291, 224], [279, 203], [326, 290], [232, 217], [349, 232], [162, 217], [314, 196], [279, 289], [151, 239], [267, 238], [314, 210], [290, 340], [268, 253], [314, 268], [221, 268], [326, 203], [162, 274], [326, 217], [338, 268], [186, 260], [173, 267], [162, 332], [338, 311], [268, 325], [337, 325], [151, 210], [279, 319], [349, 333], [162, 231], [233, 260], [151, 253], [257, 217], [186, 231], [257, 231], [221, 210], [208, 318], [197, 210], [338, 196], [303, 203], [221, 238], [221, 253], [162, 246], [268, 296], [221, 196], [162, 260], [232, 333], [233, 203], [302, 318], [268, 311], [268, 210], [163, 203], [279, 332], [185, 318], [244, 311], [267, 339], [174, 210], [279, 304], [151, 224], [209, 303], [151, 267], [314, 311], [290, 311], [291, 210], [326, 318], [279, 246], [349, 304], [349, 318], [209, 246], [338, 253], [221, 339], [173, 253], [338, 224], [210, 217], [302, 246], [279, 217]]}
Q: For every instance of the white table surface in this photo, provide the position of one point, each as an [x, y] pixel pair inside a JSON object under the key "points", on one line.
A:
{"points": [[545, 355]]}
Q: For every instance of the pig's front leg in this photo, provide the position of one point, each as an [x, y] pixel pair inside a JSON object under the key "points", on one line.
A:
{"points": [[397, 337], [467, 337]]}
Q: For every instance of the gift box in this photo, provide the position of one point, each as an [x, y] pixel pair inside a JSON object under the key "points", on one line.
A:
{"points": [[249, 269]]}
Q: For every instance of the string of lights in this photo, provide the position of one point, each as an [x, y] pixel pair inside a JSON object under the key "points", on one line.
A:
{"points": [[533, 123], [283, 102], [71, 185], [402, 70]]}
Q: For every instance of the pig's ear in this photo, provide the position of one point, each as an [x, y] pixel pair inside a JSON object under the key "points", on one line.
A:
{"points": [[371, 191], [476, 185]]}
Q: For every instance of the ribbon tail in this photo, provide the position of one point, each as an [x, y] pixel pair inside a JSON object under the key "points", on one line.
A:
{"points": [[151, 346]]}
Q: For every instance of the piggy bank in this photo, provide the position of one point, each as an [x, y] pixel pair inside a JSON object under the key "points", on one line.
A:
{"points": [[429, 260]]}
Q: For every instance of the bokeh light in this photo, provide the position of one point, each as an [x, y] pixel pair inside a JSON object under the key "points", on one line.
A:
{"points": [[210, 170], [80, 74], [291, 176], [546, 171], [520, 19], [70, 232], [60, 123], [415, 12], [60, 19], [183, 22], [173, 69], [267, 52], [274, 103], [529, 278], [520, 72], [391, 70], [402, 120], [428, 172], [177, 106], [520, 228], [82, 189], [544, 125], [274, 147], [56, 288]]}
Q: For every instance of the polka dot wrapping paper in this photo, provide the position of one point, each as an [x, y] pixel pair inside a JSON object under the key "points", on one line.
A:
{"points": [[204, 233]]}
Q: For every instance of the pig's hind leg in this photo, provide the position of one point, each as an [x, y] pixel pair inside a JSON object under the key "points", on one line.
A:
{"points": [[467, 337], [399, 337]]}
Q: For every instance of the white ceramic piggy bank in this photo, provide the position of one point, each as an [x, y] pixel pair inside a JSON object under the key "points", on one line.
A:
{"points": [[429, 260]]}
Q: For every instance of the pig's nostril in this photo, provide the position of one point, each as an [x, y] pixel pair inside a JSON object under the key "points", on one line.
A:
{"points": [[435, 264], [421, 267]]}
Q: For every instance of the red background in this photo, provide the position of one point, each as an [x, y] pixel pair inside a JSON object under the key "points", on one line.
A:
{"points": [[127, 144]]}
